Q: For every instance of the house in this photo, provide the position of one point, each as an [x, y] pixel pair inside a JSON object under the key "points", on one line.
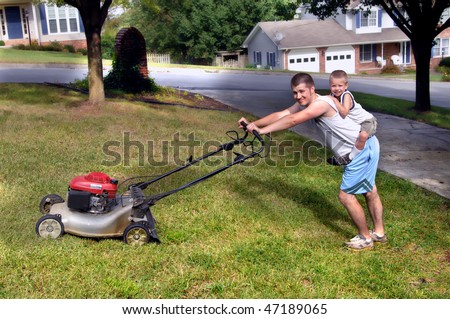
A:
{"points": [[23, 22], [356, 43]]}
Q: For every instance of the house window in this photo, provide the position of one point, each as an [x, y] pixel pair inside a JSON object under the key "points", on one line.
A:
{"points": [[306, 60], [299, 60], [313, 59], [291, 60], [369, 20], [348, 56], [63, 19], [365, 53], [2, 23], [24, 21], [257, 57], [441, 47], [271, 60]]}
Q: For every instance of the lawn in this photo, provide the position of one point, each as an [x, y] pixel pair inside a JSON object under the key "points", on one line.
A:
{"points": [[8, 55], [273, 229]]}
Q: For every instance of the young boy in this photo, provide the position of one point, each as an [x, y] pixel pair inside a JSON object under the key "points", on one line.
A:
{"points": [[348, 107]]}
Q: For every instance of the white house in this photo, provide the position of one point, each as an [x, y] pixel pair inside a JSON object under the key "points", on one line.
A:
{"points": [[22, 22], [356, 43]]}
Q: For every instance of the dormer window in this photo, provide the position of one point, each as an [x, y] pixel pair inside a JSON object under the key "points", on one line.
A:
{"points": [[369, 20]]}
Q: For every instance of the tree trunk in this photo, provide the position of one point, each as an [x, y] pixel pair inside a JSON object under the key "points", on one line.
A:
{"points": [[93, 14], [422, 55], [95, 64]]}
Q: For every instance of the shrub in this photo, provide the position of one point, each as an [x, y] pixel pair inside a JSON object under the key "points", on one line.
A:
{"points": [[53, 46], [69, 48], [82, 84], [20, 47], [445, 62], [445, 71], [108, 43], [82, 51], [390, 69], [2, 43], [129, 80]]}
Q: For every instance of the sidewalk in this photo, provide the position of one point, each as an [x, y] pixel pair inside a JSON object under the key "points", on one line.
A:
{"points": [[411, 150]]}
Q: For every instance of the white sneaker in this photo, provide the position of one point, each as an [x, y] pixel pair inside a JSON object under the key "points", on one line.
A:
{"points": [[359, 242]]}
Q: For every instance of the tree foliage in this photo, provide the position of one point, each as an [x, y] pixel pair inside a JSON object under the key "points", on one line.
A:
{"points": [[420, 20], [196, 29]]}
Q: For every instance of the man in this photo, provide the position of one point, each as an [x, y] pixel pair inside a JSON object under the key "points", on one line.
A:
{"points": [[340, 135]]}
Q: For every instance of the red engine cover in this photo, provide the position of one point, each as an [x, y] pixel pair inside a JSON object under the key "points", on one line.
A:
{"points": [[96, 183]]}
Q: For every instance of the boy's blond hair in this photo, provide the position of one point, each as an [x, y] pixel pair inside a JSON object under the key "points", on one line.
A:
{"points": [[339, 74]]}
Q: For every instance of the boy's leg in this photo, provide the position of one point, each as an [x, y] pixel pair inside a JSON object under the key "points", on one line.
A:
{"points": [[359, 144], [362, 139]]}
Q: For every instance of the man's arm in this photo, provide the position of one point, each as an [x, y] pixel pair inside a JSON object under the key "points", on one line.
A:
{"points": [[316, 109], [273, 117]]}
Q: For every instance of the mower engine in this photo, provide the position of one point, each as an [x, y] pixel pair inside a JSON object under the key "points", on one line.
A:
{"points": [[93, 193]]}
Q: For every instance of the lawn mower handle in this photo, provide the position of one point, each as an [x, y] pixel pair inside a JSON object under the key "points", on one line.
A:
{"points": [[254, 132]]}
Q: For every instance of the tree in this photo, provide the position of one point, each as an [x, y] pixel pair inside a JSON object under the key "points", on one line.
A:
{"points": [[420, 20], [93, 14], [196, 30]]}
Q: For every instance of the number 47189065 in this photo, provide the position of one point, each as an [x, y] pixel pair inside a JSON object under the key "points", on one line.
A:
{"points": [[291, 309]]}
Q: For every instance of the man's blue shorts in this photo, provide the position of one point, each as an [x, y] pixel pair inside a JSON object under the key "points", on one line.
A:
{"points": [[359, 175]]}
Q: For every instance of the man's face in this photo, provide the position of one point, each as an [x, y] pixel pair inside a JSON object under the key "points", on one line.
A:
{"points": [[338, 86], [303, 94]]}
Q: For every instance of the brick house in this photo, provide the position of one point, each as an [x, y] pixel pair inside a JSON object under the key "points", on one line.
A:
{"points": [[22, 22], [356, 43]]}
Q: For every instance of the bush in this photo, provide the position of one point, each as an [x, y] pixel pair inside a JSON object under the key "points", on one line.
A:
{"points": [[129, 80], [20, 47], [2, 43], [390, 69], [108, 43], [445, 62], [69, 48], [82, 51], [53, 46], [445, 71]]}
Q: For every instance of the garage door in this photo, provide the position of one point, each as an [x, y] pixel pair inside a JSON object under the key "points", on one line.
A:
{"points": [[340, 58], [304, 60]]}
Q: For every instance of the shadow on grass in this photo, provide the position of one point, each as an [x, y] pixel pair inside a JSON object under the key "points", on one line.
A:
{"points": [[323, 208]]}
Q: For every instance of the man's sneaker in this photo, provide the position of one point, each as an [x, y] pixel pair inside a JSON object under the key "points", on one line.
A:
{"points": [[359, 242], [339, 160], [377, 238]]}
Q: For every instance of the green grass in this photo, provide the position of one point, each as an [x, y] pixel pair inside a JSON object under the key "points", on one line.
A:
{"points": [[262, 231], [8, 55]]}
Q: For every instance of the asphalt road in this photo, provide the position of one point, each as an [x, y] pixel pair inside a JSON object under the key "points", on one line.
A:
{"points": [[411, 150], [244, 85]]}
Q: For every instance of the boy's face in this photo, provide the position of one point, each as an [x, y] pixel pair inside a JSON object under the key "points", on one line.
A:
{"points": [[338, 86]]}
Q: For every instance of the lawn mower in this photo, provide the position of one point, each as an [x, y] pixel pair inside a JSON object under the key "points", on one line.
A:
{"points": [[94, 208]]}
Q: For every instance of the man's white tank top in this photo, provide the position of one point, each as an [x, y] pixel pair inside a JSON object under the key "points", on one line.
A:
{"points": [[339, 133]]}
